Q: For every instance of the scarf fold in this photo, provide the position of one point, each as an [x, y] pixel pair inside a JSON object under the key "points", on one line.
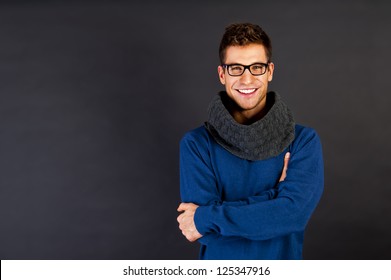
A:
{"points": [[265, 138]]}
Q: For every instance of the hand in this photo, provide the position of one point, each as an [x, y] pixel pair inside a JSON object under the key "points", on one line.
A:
{"points": [[186, 221], [286, 160]]}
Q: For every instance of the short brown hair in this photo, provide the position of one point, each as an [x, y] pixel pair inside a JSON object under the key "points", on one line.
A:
{"points": [[242, 34]]}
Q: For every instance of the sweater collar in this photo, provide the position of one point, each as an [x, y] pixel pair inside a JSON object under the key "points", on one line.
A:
{"points": [[265, 138]]}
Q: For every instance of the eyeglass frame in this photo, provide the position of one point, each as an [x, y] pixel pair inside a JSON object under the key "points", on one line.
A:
{"points": [[266, 65]]}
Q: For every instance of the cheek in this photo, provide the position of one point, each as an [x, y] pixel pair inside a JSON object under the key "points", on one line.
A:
{"points": [[265, 81], [225, 81], [230, 85], [231, 82]]}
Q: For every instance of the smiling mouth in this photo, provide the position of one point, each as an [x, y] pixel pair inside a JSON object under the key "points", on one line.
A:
{"points": [[247, 91]]}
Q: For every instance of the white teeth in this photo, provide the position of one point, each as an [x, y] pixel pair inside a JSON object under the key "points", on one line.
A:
{"points": [[246, 91]]}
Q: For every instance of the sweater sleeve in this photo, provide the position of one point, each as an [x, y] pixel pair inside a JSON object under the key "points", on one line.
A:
{"points": [[289, 211], [198, 181]]}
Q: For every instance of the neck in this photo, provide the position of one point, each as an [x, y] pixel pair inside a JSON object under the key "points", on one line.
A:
{"points": [[247, 117]]}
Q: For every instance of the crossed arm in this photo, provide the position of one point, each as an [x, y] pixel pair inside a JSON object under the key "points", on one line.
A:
{"points": [[186, 218]]}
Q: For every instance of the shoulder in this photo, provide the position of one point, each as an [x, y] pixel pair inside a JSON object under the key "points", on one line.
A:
{"points": [[197, 134], [196, 145], [198, 138], [305, 137], [302, 131]]}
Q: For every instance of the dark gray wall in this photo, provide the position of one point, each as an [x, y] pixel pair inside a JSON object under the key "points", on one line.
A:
{"points": [[95, 96]]}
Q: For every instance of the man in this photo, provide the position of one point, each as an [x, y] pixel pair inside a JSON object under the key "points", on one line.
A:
{"points": [[241, 200]]}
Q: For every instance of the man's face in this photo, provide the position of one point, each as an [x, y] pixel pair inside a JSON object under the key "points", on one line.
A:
{"points": [[247, 91]]}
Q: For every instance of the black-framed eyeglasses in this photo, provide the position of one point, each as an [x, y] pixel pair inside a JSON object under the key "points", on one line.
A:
{"points": [[255, 69]]}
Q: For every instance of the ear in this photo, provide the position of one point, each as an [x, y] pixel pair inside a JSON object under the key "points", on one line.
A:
{"points": [[270, 71], [221, 72]]}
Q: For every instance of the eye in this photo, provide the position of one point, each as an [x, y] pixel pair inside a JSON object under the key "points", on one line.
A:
{"points": [[236, 68], [257, 67]]}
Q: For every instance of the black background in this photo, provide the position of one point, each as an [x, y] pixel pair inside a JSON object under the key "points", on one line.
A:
{"points": [[95, 96]]}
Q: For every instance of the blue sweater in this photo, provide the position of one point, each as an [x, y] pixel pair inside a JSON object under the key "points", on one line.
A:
{"points": [[245, 212]]}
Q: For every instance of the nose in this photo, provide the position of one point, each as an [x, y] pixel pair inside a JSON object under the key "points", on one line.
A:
{"points": [[246, 77]]}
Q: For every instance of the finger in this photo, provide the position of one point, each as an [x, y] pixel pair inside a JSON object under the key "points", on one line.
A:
{"points": [[185, 206], [285, 168], [181, 218], [286, 161], [182, 207]]}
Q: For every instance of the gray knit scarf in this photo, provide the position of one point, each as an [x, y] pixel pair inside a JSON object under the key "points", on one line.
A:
{"points": [[265, 138]]}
